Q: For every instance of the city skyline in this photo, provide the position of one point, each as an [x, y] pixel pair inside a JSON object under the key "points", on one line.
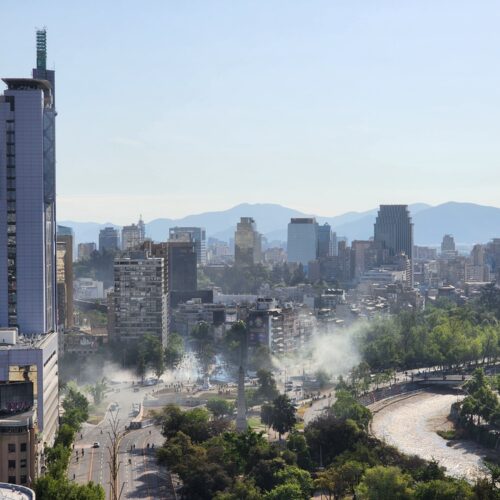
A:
{"points": [[322, 103]]}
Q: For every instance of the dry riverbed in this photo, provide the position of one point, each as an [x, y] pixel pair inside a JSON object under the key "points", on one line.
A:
{"points": [[411, 424]]}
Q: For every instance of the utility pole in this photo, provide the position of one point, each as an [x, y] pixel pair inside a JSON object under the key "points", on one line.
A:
{"points": [[113, 449]]}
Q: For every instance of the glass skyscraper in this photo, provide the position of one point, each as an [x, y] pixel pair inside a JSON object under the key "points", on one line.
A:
{"points": [[27, 200]]}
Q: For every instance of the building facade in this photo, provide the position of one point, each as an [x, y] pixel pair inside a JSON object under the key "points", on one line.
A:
{"points": [[140, 297], [247, 243], [85, 250], [393, 230], [302, 243], [197, 235], [27, 205], [133, 236], [108, 240], [65, 277]]}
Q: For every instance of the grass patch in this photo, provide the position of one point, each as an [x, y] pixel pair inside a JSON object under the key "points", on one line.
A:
{"points": [[448, 435], [96, 413]]}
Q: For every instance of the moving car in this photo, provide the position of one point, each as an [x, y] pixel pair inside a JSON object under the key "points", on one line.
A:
{"points": [[96, 444]]}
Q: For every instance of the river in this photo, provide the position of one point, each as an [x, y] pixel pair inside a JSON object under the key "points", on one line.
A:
{"points": [[411, 424]]}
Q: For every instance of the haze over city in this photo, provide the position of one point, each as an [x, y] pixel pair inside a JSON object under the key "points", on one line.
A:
{"points": [[325, 107], [249, 251]]}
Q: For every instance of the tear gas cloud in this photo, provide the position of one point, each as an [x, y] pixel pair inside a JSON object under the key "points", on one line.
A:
{"points": [[335, 353]]}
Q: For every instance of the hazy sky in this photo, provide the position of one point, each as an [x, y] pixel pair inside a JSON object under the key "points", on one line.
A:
{"points": [[168, 108]]}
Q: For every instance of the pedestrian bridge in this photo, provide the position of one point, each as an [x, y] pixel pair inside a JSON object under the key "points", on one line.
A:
{"points": [[454, 380]]}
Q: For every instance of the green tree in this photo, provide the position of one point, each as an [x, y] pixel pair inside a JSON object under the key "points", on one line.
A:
{"points": [[440, 489], [49, 488], [346, 407], [286, 491], [297, 443], [381, 483], [293, 474], [283, 415], [141, 364], [76, 409], [240, 490], [174, 352], [266, 414], [267, 390], [98, 390], [220, 407], [325, 482]]}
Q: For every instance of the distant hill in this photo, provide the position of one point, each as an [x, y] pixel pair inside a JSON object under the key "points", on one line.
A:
{"points": [[469, 223]]}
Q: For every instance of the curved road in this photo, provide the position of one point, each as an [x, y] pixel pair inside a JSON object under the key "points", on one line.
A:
{"points": [[410, 424]]}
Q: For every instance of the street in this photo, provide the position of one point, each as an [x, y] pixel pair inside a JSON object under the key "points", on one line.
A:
{"points": [[138, 474]]}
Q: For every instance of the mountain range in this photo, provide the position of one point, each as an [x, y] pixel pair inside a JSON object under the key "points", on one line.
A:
{"points": [[469, 223]]}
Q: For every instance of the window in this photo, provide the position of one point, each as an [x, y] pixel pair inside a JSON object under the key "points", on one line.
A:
{"points": [[12, 479], [12, 464], [23, 462], [12, 447], [24, 479], [23, 447]]}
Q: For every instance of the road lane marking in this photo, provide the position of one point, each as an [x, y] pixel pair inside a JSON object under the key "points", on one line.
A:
{"points": [[91, 464]]}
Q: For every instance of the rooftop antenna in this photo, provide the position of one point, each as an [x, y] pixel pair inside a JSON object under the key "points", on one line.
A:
{"points": [[41, 49]]}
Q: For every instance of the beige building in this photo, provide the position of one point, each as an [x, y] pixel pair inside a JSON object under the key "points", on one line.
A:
{"points": [[18, 462], [29, 359]]}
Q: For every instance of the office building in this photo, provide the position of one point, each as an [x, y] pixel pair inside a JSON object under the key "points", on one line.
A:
{"points": [[27, 201], [28, 281], [85, 250], [326, 241], [393, 230], [366, 254], [302, 245], [133, 236], [65, 277], [181, 266], [108, 240], [194, 234], [247, 243], [140, 297], [448, 245]]}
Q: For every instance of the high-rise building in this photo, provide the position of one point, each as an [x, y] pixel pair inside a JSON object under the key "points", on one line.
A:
{"points": [[247, 243], [365, 256], [302, 245], [27, 202], [85, 250], [448, 246], [197, 235], [394, 232], [65, 276], [181, 262], [28, 282], [326, 241], [133, 236], [108, 240], [394, 229], [140, 297]]}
